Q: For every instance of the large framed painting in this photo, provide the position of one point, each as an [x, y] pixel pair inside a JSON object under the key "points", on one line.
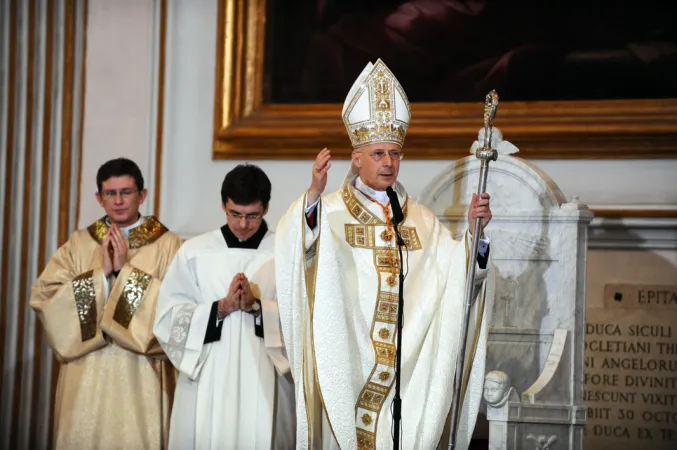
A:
{"points": [[574, 82]]}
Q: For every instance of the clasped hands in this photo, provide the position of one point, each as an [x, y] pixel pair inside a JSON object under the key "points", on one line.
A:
{"points": [[115, 249], [239, 298]]}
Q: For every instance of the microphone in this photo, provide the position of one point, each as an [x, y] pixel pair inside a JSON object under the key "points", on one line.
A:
{"points": [[398, 215]]}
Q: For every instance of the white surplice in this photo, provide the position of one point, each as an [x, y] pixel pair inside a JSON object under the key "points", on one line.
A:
{"points": [[234, 392], [338, 308]]}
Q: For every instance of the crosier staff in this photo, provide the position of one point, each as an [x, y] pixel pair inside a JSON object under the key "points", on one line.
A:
{"points": [[485, 154]]}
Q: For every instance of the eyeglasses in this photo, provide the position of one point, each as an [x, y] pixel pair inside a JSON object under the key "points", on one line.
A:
{"points": [[248, 217], [124, 193], [378, 155]]}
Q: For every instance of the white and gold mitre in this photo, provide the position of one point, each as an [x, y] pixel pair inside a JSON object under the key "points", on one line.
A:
{"points": [[376, 108]]}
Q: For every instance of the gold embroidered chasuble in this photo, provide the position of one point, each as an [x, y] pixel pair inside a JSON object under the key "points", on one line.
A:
{"points": [[338, 297], [115, 384]]}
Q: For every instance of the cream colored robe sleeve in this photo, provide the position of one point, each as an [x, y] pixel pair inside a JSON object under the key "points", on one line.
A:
{"points": [[69, 304]]}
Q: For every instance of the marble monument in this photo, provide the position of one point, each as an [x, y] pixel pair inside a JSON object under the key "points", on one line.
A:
{"points": [[535, 355]]}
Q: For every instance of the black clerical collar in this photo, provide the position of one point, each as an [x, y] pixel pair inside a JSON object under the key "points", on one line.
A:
{"points": [[253, 242]]}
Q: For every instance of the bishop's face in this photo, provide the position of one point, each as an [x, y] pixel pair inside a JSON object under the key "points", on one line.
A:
{"points": [[379, 164], [121, 199], [244, 220]]}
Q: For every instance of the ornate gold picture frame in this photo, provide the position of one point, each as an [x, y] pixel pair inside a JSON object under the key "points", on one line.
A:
{"points": [[245, 127]]}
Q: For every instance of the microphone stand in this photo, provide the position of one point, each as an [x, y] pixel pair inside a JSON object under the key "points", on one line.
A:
{"points": [[397, 400], [485, 154]]}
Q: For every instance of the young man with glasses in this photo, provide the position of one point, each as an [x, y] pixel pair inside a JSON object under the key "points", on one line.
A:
{"points": [[96, 300], [218, 322], [338, 266]]}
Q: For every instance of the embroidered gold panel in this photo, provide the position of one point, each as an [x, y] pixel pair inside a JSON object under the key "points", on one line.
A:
{"points": [[370, 236], [374, 234], [146, 233], [85, 304], [131, 296], [358, 210]]}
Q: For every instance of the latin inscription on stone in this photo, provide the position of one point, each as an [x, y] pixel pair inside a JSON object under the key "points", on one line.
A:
{"points": [[630, 377]]}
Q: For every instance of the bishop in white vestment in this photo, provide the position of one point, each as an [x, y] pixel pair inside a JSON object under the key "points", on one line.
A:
{"points": [[337, 268], [232, 391]]}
